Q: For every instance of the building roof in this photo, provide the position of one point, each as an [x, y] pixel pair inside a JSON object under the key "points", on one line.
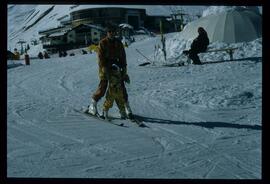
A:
{"points": [[94, 26], [126, 26], [60, 33], [56, 29]]}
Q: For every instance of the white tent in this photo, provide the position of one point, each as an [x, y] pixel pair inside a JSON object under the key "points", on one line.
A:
{"points": [[237, 25]]}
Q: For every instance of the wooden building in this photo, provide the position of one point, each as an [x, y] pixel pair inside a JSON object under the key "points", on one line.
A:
{"points": [[66, 38]]}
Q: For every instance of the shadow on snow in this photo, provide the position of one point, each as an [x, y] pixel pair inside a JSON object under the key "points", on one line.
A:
{"points": [[201, 124], [179, 64], [14, 65], [256, 59]]}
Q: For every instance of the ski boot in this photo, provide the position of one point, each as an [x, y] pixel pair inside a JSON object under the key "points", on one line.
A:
{"points": [[123, 115], [105, 115], [92, 108]]}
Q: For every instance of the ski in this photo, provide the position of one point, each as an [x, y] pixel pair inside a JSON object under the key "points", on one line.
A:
{"points": [[101, 118], [135, 120]]}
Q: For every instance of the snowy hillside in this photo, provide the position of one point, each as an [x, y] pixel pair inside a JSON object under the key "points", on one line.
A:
{"points": [[24, 21], [204, 121]]}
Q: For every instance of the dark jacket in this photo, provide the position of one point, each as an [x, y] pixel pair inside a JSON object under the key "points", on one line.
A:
{"points": [[40, 56], [200, 43]]}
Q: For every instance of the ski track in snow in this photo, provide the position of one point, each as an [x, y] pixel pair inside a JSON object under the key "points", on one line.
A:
{"points": [[207, 127]]}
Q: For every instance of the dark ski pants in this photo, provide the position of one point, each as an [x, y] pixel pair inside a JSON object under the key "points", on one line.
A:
{"points": [[194, 56], [101, 90]]}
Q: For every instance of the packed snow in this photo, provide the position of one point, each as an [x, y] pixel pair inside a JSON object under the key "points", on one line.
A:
{"points": [[204, 121]]}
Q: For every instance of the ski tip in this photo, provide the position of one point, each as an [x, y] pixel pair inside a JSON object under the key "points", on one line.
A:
{"points": [[143, 125]]}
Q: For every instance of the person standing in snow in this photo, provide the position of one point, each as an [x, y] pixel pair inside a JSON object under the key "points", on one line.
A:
{"points": [[115, 92], [40, 55], [110, 51], [198, 45], [16, 54], [46, 55]]}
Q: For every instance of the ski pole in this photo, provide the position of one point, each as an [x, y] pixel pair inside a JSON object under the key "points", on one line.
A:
{"points": [[144, 56]]}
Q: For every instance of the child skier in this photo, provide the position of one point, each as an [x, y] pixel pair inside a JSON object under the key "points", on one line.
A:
{"points": [[115, 92]]}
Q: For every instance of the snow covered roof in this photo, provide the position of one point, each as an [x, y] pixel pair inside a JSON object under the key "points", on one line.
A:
{"points": [[58, 34], [126, 26], [95, 27], [236, 25], [55, 29]]}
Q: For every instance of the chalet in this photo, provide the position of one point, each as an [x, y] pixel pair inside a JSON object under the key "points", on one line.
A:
{"points": [[65, 38], [85, 34]]}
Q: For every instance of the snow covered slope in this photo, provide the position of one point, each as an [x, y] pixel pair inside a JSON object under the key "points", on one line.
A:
{"points": [[204, 121]]}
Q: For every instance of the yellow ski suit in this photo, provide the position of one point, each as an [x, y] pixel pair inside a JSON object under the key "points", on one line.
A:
{"points": [[115, 91], [109, 52], [16, 55]]}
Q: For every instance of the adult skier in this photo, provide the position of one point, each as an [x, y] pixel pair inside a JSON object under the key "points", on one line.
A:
{"points": [[110, 51], [198, 45]]}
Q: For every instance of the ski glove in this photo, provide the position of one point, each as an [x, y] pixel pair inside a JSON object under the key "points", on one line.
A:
{"points": [[126, 79]]}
